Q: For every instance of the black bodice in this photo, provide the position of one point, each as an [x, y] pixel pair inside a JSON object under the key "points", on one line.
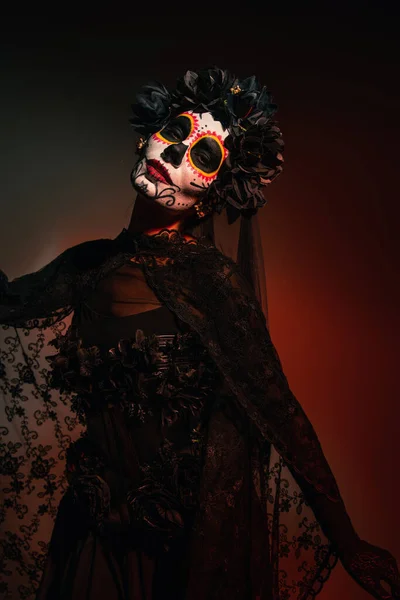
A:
{"points": [[142, 385]]}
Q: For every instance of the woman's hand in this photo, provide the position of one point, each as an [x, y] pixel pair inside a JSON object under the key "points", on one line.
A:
{"points": [[368, 565]]}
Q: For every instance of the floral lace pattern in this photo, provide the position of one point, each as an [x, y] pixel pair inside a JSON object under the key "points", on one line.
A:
{"points": [[249, 446], [36, 430]]}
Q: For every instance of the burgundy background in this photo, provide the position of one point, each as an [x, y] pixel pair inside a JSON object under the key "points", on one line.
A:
{"points": [[330, 229]]}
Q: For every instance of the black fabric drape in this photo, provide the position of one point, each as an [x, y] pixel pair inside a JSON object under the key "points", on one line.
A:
{"points": [[255, 534]]}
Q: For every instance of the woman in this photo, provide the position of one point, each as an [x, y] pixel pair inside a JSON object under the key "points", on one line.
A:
{"points": [[174, 488]]}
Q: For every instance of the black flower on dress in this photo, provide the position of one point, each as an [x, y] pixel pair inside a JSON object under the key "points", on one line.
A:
{"points": [[137, 375]]}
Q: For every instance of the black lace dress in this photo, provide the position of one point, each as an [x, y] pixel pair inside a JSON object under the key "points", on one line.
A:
{"points": [[187, 483], [142, 384]]}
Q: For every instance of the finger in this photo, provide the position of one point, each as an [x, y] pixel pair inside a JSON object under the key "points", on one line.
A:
{"points": [[394, 583], [376, 590], [383, 593], [395, 590]]}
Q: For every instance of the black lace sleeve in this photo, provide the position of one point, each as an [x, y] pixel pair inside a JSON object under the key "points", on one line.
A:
{"points": [[280, 415], [51, 292]]}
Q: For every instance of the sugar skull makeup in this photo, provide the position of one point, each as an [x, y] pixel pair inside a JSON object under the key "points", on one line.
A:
{"points": [[181, 160]]}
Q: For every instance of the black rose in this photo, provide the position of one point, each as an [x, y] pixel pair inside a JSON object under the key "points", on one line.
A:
{"points": [[27, 375], [240, 190], [242, 100], [43, 509], [151, 109], [305, 540], [249, 101], [89, 359], [256, 151], [205, 87], [40, 468], [264, 107], [11, 551], [204, 91], [8, 465], [15, 390]]}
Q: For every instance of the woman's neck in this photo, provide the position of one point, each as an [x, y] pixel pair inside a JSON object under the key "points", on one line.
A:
{"points": [[150, 218]]}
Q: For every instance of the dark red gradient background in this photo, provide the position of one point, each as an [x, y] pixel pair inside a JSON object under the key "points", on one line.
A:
{"points": [[330, 229]]}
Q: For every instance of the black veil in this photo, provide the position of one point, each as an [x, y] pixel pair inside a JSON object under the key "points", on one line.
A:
{"points": [[37, 426]]}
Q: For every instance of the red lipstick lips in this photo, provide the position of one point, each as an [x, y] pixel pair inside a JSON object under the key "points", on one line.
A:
{"points": [[158, 171]]}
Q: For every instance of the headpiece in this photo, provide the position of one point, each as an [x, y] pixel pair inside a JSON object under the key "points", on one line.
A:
{"points": [[245, 109], [255, 144]]}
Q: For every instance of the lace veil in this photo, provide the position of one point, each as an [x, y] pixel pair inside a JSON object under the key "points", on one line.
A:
{"points": [[255, 524]]}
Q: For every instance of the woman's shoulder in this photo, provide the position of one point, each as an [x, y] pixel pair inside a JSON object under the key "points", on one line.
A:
{"points": [[90, 254]]}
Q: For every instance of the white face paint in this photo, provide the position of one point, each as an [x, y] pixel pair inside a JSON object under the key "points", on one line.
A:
{"points": [[181, 160]]}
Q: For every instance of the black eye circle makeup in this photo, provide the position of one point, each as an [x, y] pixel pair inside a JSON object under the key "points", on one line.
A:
{"points": [[178, 129]]}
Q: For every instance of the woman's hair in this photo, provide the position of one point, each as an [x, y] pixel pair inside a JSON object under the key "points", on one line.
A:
{"points": [[245, 109]]}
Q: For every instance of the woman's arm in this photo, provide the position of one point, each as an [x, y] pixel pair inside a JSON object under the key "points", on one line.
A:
{"points": [[302, 441], [53, 290], [298, 443], [367, 564], [254, 372], [37, 295]]}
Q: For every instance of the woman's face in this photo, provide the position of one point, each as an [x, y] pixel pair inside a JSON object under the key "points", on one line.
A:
{"points": [[181, 160]]}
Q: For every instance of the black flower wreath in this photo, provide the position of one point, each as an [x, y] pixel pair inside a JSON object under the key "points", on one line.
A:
{"points": [[245, 109]]}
